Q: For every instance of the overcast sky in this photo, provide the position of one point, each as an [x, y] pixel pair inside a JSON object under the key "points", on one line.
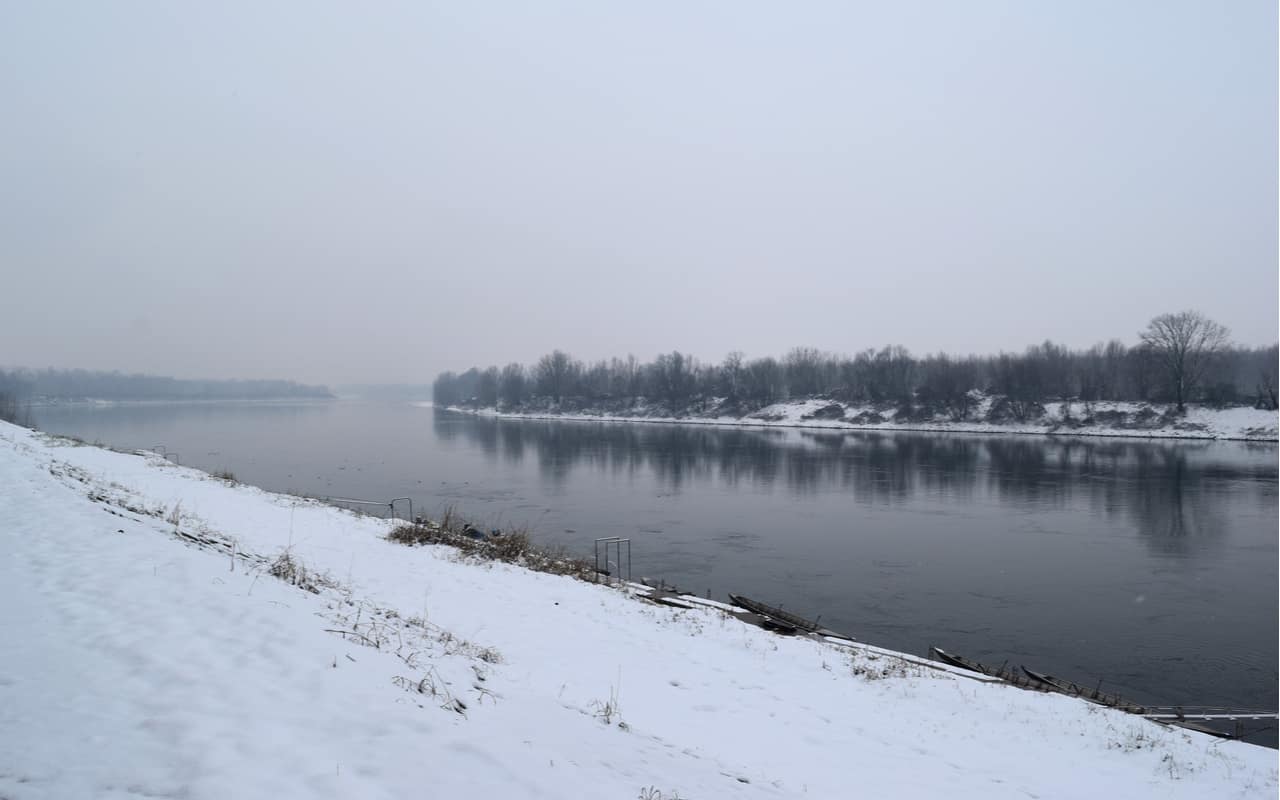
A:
{"points": [[375, 192]]}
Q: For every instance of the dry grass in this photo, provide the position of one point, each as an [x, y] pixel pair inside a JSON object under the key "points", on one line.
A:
{"points": [[873, 667], [291, 570], [411, 640], [607, 710], [512, 547]]}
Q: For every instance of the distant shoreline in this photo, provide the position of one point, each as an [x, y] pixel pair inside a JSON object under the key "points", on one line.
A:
{"points": [[793, 421], [98, 402]]}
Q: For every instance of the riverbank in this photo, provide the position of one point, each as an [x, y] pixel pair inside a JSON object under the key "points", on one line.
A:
{"points": [[1108, 419], [159, 643]]}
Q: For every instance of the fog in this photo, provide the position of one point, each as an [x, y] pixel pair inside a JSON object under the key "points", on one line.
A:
{"points": [[345, 193]]}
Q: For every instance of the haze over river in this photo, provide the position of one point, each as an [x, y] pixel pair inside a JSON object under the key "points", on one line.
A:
{"points": [[1151, 565]]}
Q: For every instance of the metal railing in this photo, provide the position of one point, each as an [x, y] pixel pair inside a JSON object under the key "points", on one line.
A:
{"points": [[621, 566], [166, 455], [390, 505]]}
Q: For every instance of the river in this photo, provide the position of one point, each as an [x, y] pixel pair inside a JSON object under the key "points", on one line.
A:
{"points": [[1150, 566]]}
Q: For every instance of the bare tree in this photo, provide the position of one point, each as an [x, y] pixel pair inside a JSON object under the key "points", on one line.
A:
{"points": [[487, 388], [764, 381], [674, 379], [631, 375], [893, 374], [554, 374], [596, 383], [511, 385], [803, 367], [945, 384], [731, 371], [1267, 379], [1020, 381], [1184, 344]]}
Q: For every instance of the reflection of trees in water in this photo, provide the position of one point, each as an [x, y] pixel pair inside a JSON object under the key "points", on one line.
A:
{"points": [[893, 468], [749, 458], [512, 443], [1178, 502], [1023, 470], [1172, 491]]}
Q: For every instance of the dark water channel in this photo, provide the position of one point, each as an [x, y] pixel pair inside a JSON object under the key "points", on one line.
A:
{"points": [[1149, 565]]}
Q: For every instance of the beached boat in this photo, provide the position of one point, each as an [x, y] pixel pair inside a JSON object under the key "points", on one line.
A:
{"points": [[1003, 672], [783, 621], [1198, 727], [1173, 716], [1094, 695]]}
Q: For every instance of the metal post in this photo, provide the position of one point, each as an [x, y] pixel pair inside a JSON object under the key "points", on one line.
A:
{"points": [[617, 543], [395, 500]]}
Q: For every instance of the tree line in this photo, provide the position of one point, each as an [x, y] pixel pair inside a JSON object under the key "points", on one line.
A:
{"points": [[1179, 358], [22, 385]]}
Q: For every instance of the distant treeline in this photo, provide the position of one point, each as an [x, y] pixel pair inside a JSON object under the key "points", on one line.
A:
{"points": [[1181, 358], [23, 385]]}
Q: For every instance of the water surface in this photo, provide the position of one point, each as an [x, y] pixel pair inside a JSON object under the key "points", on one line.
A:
{"points": [[1149, 565]]}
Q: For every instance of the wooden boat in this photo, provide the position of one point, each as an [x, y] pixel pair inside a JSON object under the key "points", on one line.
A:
{"points": [[776, 618], [1092, 695], [1003, 672], [1198, 727], [1030, 679], [778, 626]]}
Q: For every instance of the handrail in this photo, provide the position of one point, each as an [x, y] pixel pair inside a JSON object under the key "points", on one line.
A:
{"points": [[390, 504]]}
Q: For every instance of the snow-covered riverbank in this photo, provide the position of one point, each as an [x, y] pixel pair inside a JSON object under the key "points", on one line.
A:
{"points": [[1136, 420], [150, 651]]}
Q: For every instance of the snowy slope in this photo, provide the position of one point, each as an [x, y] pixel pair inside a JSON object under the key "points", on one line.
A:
{"points": [[137, 662]]}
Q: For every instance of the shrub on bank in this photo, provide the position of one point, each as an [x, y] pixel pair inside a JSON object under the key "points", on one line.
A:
{"points": [[512, 547]]}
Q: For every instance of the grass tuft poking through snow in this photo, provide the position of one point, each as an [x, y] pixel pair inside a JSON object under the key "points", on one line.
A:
{"points": [[290, 569]]}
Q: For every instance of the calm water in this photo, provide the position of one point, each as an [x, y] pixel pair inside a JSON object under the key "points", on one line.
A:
{"points": [[1151, 566]]}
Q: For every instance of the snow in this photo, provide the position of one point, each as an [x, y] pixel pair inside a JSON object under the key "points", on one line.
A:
{"points": [[140, 662], [1239, 423]]}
